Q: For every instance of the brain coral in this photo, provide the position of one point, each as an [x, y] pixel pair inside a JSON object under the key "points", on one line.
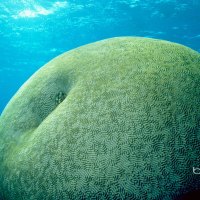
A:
{"points": [[116, 119]]}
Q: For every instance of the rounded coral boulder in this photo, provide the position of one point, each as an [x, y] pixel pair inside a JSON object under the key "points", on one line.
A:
{"points": [[115, 119]]}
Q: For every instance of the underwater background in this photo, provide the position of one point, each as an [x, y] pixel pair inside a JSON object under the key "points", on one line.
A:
{"points": [[32, 32]]}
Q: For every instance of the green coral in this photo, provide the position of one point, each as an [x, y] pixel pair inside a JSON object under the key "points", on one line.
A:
{"points": [[116, 119]]}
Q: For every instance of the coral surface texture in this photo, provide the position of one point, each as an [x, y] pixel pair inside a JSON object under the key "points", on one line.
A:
{"points": [[115, 119]]}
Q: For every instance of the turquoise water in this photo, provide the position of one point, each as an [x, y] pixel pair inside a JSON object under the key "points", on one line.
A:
{"points": [[34, 32]]}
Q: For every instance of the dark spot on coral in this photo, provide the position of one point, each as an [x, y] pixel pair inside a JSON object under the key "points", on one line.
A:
{"points": [[60, 97]]}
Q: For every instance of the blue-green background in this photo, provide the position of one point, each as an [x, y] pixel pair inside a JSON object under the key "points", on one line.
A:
{"points": [[33, 32]]}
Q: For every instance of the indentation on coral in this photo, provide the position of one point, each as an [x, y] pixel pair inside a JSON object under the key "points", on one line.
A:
{"points": [[47, 98]]}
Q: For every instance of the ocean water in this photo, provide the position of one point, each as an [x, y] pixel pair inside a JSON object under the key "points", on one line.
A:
{"points": [[32, 32]]}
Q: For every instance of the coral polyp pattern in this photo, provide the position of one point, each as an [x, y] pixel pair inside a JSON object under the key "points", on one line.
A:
{"points": [[115, 119]]}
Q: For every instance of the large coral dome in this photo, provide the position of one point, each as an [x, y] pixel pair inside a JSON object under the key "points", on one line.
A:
{"points": [[116, 119]]}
